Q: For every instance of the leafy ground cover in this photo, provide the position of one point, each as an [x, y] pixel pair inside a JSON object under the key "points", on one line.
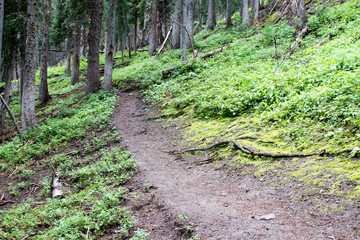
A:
{"points": [[305, 104], [75, 140]]}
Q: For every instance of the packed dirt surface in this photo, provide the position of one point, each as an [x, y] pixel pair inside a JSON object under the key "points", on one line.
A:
{"points": [[220, 203]]}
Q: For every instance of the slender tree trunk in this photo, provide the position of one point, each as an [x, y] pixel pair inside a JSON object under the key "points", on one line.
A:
{"points": [[176, 32], [135, 32], [75, 71], [153, 38], [110, 47], [229, 13], [8, 77], [84, 42], [43, 88], [68, 46], [245, 13], [1, 34], [211, 20], [256, 11], [93, 72], [188, 23], [28, 97], [127, 34]]}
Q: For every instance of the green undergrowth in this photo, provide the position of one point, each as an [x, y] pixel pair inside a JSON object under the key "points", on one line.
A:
{"points": [[92, 206], [304, 104], [76, 140]]}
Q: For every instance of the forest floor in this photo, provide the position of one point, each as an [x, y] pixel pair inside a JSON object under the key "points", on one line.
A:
{"points": [[175, 199]]}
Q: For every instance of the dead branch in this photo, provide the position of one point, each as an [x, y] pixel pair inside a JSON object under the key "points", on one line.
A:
{"points": [[18, 129], [293, 46], [323, 41], [187, 32], [165, 116], [295, 43], [6, 202], [164, 43], [249, 151]]}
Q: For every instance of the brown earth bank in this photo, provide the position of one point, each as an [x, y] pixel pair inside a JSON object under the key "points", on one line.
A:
{"points": [[221, 204]]}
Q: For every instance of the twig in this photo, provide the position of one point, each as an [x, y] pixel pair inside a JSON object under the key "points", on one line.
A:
{"points": [[4, 203], [13, 172], [87, 233], [2, 197], [249, 151]]}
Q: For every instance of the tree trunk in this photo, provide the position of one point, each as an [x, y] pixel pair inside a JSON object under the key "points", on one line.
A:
{"points": [[28, 97], [93, 71], [256, 11], [176, 32], [153, 38], [110, 47], [135, 32], [1, 33], [84, 41], [298, 7], [75, 71], [245, 13], [68, 50], [211, 20], [188, 17], [17, 127], [7, 77], [229, 13], [43, 88]]}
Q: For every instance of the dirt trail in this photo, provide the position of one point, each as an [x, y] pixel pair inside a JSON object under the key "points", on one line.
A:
{"points": [[221, 204]]}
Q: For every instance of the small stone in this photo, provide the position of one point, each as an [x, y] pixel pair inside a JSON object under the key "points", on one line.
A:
{"points": [[267, 217]]}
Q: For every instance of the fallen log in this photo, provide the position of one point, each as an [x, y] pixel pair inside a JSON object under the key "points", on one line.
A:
{"points": [[167, 72], [57, 187], [209, 54], [249, 151], [323, 41]]}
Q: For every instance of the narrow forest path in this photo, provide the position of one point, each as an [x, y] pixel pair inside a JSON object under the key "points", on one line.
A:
{"points": [[221, 204]]}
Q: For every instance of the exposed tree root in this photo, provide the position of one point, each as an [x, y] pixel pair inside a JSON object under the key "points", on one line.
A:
{"points": [[251, 152], [166, 116]]}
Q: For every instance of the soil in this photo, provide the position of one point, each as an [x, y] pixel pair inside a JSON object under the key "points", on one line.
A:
{"points": [[221, 204]]}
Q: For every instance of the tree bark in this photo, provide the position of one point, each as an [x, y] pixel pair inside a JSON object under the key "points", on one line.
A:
{"points": [[1, 34], [211, 20], [6, 106], [298, 7], [75, 71], [93, 71], [8, 78], [176, 33], [256, 11], [245, 13], [110, 47], [188, 23], [153, 38], [229, 13], [28, 96], [68, 50], [43, 88]]}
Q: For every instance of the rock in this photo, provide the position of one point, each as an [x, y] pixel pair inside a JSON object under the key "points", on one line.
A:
{"points": [[267, 217]]}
